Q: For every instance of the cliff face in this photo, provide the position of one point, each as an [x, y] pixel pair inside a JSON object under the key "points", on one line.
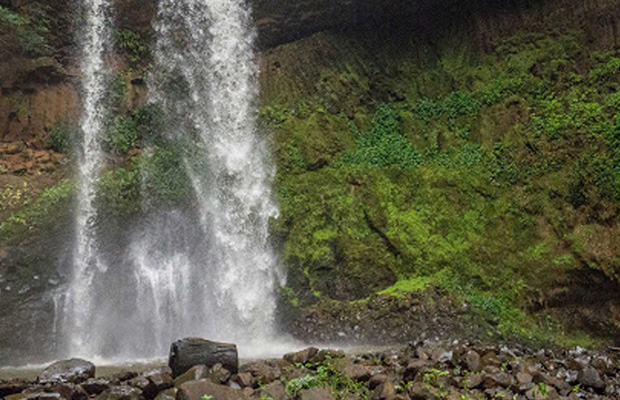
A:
{"points": [[498, 173], [39, 87]]}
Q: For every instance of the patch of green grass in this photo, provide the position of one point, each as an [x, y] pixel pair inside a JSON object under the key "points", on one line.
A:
{"points": [[407, 285], [328, 374]]}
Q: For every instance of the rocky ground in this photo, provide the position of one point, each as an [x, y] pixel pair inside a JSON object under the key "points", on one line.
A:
{"points": [[424, 370]]}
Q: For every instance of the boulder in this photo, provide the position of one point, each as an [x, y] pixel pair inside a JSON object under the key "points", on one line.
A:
{"points": [[74, 370], [472, 361], [195, 390], [589, 377], [385, 391], [413, 367], [377, 380], [186, 353], [13, 386], [122, 392], [193, 374], [315, 394], [69, 391], [357, 372], [263, 371], [160, 380], [301, 357], [243, 379], [168, 394], [95, 386], [219, 374], [275, 391]]}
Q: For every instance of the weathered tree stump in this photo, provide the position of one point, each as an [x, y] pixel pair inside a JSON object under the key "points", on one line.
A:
{"points": [[186, 353]]}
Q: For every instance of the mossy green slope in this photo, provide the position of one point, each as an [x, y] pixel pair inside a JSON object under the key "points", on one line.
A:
{"points": [[495, 171]]}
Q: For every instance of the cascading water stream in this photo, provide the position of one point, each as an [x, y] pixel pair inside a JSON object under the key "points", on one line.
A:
{"points": [[205, 268], [86, 262], [205, 82]]}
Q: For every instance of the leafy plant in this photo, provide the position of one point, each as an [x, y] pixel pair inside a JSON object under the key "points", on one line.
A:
{"points": [[132, 44], [64, 137]]}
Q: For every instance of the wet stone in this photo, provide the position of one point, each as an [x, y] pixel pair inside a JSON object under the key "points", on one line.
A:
{"points": [[94, 386], [74, 370]]}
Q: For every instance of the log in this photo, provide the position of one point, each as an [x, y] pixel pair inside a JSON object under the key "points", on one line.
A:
{"points": [[186, 353]]}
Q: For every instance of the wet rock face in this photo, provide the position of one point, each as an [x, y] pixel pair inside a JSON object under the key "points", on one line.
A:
{"points": [[74, 370], [281, 21]]}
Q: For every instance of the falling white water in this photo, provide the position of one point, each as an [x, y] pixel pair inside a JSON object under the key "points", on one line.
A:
{"points": [[86, 263], [204, 269], [205, 82]]}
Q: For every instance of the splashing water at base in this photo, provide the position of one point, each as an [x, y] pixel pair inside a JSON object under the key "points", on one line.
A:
{"points": [[208, 91]]}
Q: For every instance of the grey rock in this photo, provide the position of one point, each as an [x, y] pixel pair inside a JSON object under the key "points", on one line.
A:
{"points": [[589, 377], [74, 370], [122, 392]]}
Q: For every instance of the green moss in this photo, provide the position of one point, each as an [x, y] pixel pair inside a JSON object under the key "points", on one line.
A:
{"points": [[475, 168], [41, 215], [407, 285]]}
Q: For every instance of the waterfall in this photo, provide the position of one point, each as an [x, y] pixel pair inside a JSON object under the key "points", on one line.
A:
{"points": [[205, 268], [205, 82], [86, 262]]}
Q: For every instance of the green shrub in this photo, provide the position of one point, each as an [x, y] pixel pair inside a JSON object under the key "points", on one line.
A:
{"points": [[384, 145], [10, 18], [64, 137], [41, 215], [132, 44], [122, 135]]}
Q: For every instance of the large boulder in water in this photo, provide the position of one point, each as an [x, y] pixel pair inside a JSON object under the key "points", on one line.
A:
{"points": [[74, 370], [186, 353]]}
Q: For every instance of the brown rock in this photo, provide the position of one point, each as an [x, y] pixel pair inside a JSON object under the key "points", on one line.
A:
{"points": [[243, 379], [472, 361], [262, 371], [193, 374], [384, 391], [412, 369], [315, 394], [195, 390], [274, 390], [219, 374], [376, 380], [94, 386], [12, 148], [357, 372], [301, 357], [122, 392], [473, 381], [168, 394], [69, 391]]}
